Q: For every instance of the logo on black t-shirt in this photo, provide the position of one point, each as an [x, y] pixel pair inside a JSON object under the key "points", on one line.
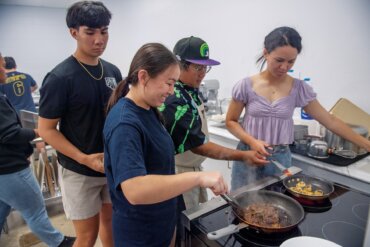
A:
{"points": [[111, 82]]}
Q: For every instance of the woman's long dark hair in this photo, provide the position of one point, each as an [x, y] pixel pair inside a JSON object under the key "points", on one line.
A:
{"points": [[279, 37], [152, 57]]}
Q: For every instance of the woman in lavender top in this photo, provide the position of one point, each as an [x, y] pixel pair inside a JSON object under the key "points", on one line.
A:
{"points": [[269, 99]]}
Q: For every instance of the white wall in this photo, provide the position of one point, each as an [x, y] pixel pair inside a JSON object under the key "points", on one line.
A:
{"points": [[37, 38], [336, 38]]}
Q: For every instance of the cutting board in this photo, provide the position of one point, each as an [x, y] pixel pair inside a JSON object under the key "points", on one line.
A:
{"points": [[350, 113]]}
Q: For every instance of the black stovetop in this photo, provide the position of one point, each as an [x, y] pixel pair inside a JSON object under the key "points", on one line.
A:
{"points": [[342, 219]]}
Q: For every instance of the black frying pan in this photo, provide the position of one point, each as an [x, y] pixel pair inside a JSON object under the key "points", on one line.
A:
{"points": [[317, 184], [289, 206]]}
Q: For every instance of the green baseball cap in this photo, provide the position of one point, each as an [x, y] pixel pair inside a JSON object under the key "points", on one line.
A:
{"points": [[194, 50]]}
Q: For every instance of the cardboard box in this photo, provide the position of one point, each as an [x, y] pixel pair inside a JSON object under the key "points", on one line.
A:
{"points": [[350, 113]]}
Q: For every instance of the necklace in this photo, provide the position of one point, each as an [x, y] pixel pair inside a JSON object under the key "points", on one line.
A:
{"points": [[101, 66]]}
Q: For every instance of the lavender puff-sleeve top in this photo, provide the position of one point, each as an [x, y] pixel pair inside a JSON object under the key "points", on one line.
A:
{"points": [[271, 122]]}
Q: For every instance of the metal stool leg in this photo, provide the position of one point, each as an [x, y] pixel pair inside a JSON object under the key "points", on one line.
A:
{"points": [[5, 227]]}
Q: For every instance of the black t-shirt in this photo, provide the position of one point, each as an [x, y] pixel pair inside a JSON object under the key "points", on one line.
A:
{"points": [[68, 92]]}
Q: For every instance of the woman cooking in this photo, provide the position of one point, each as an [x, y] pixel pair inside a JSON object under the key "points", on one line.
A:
{"points": [[269, 99], [139, 154]]}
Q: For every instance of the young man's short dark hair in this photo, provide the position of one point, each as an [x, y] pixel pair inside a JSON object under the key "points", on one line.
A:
{"points": [[10, 63], [88, 13]]}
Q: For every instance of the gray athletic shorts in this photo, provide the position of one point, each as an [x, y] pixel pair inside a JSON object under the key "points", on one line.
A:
{"points": [[82, 195]]}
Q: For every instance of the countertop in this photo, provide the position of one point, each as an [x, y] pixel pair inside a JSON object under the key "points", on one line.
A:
{"points": [[359, 170]]}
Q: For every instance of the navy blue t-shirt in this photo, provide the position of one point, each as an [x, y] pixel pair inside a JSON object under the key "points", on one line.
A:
{"points": [[18, 90], [136, 144]]}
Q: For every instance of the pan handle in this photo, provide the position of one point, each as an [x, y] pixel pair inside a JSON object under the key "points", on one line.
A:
{"points": [[230, 229]]}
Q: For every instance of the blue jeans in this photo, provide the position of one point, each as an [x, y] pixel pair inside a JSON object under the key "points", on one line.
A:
{"points": [[21, 191], [243, 174]]}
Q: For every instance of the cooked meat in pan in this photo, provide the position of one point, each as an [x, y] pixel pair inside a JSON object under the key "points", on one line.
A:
{"points": [[266, 215]]}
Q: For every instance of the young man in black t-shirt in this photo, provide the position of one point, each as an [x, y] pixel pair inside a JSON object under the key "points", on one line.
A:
{"points": [[75, 94]]}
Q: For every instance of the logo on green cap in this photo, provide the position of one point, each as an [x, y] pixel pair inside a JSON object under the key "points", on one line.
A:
{"points": [[204, 50]]}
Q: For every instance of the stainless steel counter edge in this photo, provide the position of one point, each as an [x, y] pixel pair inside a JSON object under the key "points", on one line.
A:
{"points": [[217, 129]]}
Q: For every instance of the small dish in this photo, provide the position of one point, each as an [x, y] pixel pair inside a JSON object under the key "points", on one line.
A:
{"points": [[306, 241]]}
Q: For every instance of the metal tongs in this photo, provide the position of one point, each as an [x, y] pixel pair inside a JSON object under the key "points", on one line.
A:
{"points": [[231, 201], [281, 167]]}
